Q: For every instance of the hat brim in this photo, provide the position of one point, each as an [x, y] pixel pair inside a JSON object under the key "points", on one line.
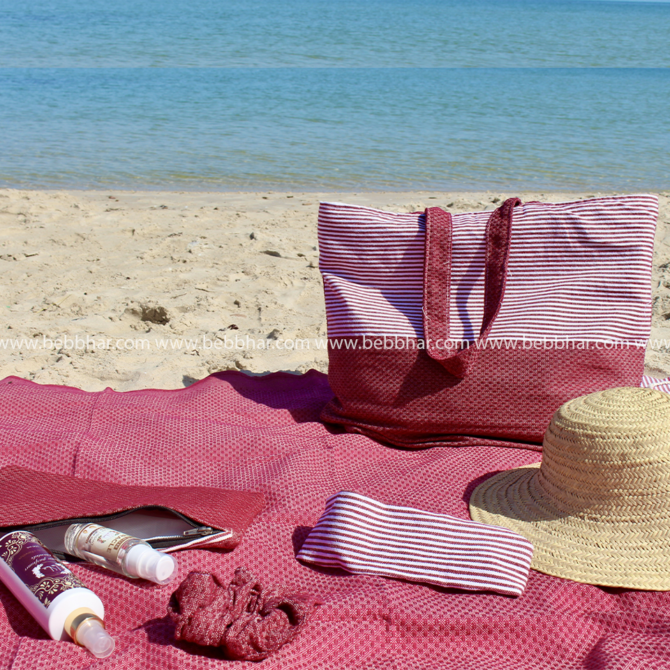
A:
{"points": [[626, 554]]}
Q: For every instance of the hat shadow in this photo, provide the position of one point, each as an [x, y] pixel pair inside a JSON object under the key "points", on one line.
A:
{"points": [[476, 482]]}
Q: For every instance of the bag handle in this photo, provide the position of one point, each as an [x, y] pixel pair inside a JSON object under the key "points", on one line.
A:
{"points": [[437, 283]]}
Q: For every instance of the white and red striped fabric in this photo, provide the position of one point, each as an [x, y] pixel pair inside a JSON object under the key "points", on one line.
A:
{"points": [[363, 536], [577, 271], [655, 383]]}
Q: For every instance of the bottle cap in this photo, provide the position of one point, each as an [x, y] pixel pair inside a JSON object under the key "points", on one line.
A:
{"points": [[91, 634], [145, 562]]}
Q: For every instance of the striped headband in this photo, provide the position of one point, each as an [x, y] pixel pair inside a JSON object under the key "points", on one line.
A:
{"points": [[365, 537]]}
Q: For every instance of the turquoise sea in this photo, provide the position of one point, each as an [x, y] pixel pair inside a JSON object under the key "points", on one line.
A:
{"points": [[334, 94]]}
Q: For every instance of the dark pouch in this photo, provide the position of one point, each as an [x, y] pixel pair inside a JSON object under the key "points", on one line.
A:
{"points": [[168, 518]]}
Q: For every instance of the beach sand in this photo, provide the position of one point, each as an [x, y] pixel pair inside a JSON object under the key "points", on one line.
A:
{"points": [[144, 284]]}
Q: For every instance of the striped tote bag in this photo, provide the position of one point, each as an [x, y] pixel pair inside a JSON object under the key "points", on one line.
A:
{"points": [[465, 329]]}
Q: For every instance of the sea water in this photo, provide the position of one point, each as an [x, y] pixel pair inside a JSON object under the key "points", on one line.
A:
{"points": [[335, 94]]}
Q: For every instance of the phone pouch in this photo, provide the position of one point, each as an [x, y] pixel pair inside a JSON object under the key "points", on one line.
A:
{"points": [[168, 518]]}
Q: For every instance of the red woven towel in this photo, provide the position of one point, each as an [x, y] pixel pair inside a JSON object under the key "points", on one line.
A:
{"points": [[363, 536], [245, 619]]}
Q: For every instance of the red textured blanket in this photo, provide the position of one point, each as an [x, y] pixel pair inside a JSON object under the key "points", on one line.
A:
{"points": [[262, 434]]}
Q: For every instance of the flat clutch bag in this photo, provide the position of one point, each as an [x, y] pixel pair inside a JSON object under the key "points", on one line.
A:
{"points": [[168, 518]]}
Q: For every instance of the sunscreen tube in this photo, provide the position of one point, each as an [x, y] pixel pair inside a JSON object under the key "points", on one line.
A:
{"points": [[53, 595]]}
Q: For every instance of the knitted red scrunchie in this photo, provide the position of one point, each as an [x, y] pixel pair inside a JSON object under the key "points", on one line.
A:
{"points": [[245, 619]]}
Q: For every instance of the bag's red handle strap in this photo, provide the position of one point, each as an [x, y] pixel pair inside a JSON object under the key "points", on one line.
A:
{"points": [[437, 283]]}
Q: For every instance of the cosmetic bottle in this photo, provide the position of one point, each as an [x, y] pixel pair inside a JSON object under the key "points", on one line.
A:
{"points": [[117, 551], [53, 595]]}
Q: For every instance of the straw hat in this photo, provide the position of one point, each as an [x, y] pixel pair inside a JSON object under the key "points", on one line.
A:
{"points": [[597, 509]]}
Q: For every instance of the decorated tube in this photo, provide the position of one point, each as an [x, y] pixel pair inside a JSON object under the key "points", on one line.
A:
{"points": [[117, 551], [53, 595]]}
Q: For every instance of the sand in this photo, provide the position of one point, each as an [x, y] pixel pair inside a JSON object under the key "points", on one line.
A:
{"points": [[134, 290]]}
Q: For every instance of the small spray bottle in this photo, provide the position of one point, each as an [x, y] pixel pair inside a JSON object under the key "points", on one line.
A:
{"points": [[52, 594], [117, 551]]}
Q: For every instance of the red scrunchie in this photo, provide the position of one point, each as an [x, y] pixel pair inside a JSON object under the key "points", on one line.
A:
{"points": [[245, 619]]}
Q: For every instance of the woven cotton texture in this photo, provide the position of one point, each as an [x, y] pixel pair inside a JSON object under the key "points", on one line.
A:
{"points": [[231, 431], [598, 508], [362, 536]]}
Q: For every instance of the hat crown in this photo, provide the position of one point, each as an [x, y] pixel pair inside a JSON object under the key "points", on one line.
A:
{"points": [[606, 455]]}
